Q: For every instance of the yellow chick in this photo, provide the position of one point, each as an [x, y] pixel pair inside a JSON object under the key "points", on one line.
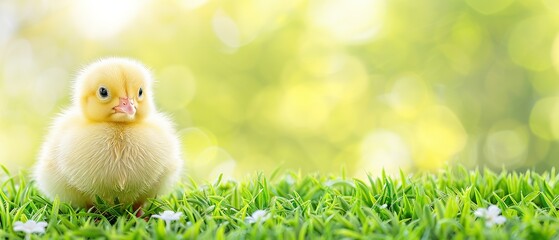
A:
{"points": [[111, 142]]}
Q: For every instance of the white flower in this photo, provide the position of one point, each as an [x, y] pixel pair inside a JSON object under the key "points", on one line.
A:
{"points": [[492, 215], [258, 216], [168, 217], [30, 227]]}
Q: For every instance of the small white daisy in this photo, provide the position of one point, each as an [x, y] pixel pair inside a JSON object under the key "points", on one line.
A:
{"points": [[258, 216], [168, 217], [492, 215], [30, 227]]}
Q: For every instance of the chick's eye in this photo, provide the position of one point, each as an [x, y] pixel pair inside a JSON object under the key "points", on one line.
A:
{"points": [[103, 92], [140, 92]]}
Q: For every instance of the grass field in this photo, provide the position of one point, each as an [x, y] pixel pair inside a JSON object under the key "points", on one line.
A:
{"points": [[422, 206]]}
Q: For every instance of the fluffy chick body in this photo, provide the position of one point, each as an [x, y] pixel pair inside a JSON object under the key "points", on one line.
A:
{"points": [[113, 156]]}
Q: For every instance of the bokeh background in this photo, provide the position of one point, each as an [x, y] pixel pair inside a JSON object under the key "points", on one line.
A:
{"points": [[317, 86]]}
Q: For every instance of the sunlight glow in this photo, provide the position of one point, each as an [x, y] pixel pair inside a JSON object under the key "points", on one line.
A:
{"points": [[383, 149], [349, 21], [226, 29], [193, 4], [552, 5], [216, 161], [507, 144], [304, 107], [21, 67], [8, 24], [311, 85], [555, 53], [409, 96], [195, 141], [489, 7], [101, 19], [531, 52], [544, 119], [439, 135], [176, 87]]}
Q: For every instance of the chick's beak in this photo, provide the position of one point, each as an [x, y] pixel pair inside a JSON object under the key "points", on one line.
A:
{"points": [[125, 105]]}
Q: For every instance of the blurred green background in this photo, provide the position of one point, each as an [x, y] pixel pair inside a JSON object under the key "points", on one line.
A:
{"points": [[316, 85]]}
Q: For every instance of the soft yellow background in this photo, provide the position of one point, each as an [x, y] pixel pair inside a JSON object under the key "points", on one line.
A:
{"points": [[316, 85]]}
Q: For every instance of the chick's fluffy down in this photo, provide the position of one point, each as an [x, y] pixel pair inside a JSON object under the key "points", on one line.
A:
{"points": [[129, 160]]}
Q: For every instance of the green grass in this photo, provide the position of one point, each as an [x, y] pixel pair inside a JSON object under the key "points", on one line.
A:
{"points": [[422, 206]]}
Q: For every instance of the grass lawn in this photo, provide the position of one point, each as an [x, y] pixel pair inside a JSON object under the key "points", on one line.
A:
{"points": [[422, 206]]}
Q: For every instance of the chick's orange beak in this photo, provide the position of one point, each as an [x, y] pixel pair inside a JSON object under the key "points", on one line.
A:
{"points": [[125, 105]]}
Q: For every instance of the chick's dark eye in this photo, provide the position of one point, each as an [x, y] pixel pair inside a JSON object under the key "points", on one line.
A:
{"points": [[140, 92], [103, 92]]}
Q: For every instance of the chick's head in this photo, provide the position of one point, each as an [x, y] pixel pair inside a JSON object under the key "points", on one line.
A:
{"points": [[114, 90]]}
